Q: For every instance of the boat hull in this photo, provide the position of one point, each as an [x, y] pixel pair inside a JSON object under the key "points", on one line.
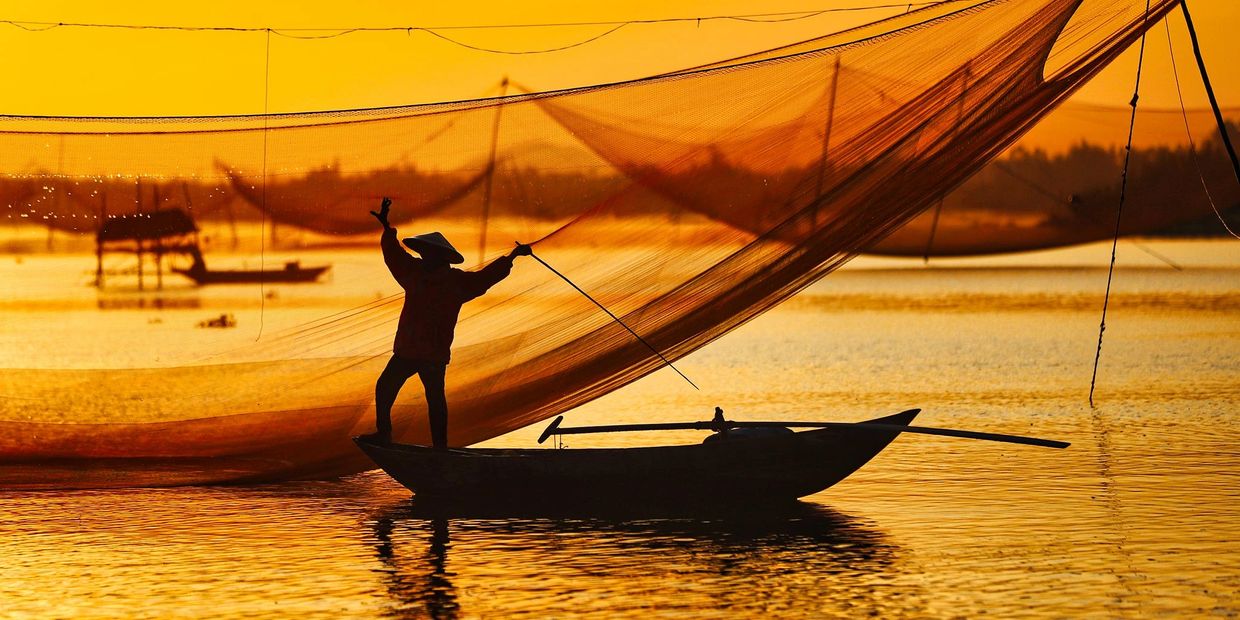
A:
{"points": [[248, 276], [783, 467]]}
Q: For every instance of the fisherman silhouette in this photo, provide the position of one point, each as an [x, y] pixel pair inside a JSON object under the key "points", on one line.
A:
{"points": [[434, 294]]}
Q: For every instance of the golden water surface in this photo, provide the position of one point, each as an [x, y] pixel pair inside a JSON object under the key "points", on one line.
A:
{"points": [[1137, 518]]}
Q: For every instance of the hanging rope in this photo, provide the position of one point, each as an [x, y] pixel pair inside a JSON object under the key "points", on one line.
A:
{"points": [[617, 319], [1205, 81], [1188, 131], [437, 31], [491, 50], [1119, 212], [770, 17]]}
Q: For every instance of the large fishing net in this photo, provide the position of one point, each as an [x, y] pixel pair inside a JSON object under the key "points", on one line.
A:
{"points": [[687, 203], [1046, 193]]}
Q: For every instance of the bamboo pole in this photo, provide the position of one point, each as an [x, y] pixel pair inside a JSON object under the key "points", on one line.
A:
{"points": [[1205, 79], [138, 239], [715, 425], [103, 218], [938, 208], [159, 247], [826, 136], [486, 192]]}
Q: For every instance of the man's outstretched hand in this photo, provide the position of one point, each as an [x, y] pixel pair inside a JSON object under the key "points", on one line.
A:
{"points": [[382, 215], [522, 249]]}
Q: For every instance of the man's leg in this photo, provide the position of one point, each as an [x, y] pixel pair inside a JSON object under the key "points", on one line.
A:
{"points": [[398, 370], [432, 376]]}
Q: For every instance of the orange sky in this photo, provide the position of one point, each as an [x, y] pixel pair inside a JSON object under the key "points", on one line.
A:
{"points": [[88, 71]]}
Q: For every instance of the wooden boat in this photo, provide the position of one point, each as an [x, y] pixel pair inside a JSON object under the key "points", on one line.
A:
{"points": [[742, 467], [292, 272]]}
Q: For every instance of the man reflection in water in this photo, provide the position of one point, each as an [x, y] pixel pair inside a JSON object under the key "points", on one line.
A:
{"points": [[434, 588], [434, 294]]}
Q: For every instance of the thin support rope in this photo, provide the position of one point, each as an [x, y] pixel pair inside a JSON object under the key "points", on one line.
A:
{"points": [[546, 50], [438, 31], [1192, 147], [1188, 131], [1150, 251], [1119, 212], [1205, 81], [617, 319], [762, 18], [999, 165]]}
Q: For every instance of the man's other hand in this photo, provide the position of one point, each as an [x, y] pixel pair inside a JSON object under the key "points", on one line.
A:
{"points": [[382, 215]]}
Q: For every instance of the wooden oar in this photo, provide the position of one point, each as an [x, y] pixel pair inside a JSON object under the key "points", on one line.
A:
{"points": [[555, 429]]}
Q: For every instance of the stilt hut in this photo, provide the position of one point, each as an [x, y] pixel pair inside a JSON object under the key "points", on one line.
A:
{"points": [[154, 234]]}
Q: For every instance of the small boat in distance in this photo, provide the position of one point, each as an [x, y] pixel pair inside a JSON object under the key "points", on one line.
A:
{"points": [[291, 273], [173, 231], [727, 468]]}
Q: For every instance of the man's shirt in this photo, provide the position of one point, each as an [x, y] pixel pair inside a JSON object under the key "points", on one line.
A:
{"points": [[433, 300]]}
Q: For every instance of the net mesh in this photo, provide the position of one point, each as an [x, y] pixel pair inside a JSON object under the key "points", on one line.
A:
{"points": [[1046, 193], [686, 203]]}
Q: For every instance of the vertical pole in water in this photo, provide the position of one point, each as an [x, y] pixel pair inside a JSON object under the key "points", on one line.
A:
{"points": [[189, 204], [59, 201], [179, 248], [938, 208], [262, 243], [138, 237], [486, 192], [826, 134], [103, 218], [934, 227], [159, 248], [232, 225]]}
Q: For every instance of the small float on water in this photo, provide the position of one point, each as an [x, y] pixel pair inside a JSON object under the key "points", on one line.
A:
{"points": [[740, 462]]}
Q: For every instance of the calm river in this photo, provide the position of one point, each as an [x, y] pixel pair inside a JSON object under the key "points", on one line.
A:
{"points": [[1137, 518]]}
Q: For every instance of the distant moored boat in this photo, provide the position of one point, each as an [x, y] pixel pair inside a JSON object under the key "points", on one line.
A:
{"points": [[292, 272]]}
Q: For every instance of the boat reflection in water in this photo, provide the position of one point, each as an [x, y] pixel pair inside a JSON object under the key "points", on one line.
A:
{"points": [[437, 559]]}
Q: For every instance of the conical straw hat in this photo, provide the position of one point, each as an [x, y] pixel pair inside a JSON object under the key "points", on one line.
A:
{"points": [[434, 243]]}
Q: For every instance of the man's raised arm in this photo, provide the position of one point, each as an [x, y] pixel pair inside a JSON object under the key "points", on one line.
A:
{"points": [[398, 261], [477, 282]]}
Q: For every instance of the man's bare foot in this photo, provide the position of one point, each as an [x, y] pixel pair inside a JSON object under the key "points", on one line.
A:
{"points": [[379, 438]]}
